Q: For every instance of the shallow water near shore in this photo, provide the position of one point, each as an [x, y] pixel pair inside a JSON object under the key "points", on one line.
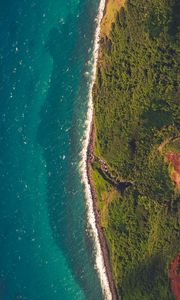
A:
{"points": [[45, 65]]}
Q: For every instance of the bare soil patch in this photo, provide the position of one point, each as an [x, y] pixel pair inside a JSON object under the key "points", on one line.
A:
{"points": [[174, 275], [174, 160]]}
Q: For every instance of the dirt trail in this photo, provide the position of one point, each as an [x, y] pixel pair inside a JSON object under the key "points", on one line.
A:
{"points": [[165, 142]]}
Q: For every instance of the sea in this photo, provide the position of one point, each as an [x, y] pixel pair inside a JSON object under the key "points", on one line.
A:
{"points": [[46, 59]]}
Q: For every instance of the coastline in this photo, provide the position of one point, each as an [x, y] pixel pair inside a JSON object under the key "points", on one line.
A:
{"points": [[100, 246], [102, 240]]}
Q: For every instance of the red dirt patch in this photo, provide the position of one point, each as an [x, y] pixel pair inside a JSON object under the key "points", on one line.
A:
{"points": [[174, 275], [174, 159]]}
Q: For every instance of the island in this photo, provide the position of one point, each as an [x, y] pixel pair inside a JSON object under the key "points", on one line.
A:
{"points": [[134, 149]]}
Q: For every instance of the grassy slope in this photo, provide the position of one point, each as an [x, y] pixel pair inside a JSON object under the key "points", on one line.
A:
{"points": [[136, 104], [112, 6]]}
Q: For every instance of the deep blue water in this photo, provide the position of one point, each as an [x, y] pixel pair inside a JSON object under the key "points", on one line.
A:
{"points": [[45, 252]]}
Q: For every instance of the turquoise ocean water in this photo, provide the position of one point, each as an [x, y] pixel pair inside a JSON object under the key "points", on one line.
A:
{"points": [[45, 251]]}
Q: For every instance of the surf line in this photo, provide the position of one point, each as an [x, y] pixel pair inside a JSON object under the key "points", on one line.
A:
{"points": [[100, 263]]}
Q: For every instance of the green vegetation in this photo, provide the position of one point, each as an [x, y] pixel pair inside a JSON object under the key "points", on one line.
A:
{"points": [[137, 108]]}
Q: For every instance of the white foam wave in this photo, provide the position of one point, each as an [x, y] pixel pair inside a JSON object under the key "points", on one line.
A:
{"points": [[90, 211]]}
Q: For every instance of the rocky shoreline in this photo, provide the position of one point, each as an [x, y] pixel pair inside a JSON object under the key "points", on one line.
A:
{"points": [[102, 240]]}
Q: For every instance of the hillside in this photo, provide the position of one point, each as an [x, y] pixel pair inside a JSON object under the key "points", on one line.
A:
{"points": [[137, 146]]}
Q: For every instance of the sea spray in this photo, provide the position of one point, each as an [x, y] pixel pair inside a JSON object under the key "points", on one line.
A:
{"points": [[100, 265]]}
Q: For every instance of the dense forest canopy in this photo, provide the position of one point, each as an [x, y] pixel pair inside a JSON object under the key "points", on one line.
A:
{"points": [[136, 110]]}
